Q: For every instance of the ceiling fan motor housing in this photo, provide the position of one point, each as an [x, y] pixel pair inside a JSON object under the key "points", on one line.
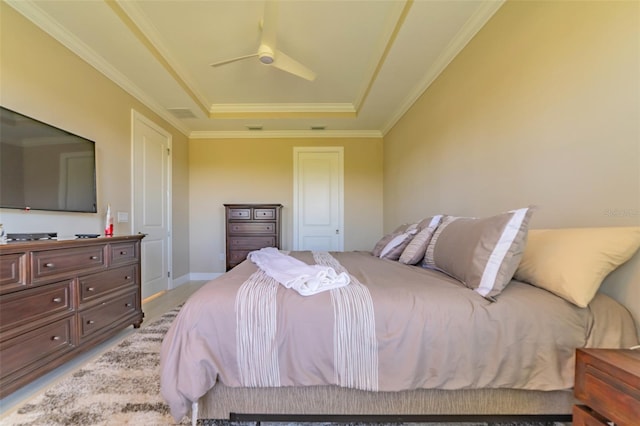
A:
{"points": [[265, 54]]}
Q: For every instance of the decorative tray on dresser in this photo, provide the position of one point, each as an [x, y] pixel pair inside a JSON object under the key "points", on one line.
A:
{"points": [[608, 384], [59, 298]]}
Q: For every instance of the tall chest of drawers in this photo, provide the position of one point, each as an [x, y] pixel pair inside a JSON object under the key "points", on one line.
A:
{"points": [[250, 227], [59, 298]]}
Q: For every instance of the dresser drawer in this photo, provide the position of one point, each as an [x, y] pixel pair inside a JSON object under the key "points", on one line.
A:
{"points": [[240, 214], [264, 214], [50, 263], [36, 347], [28, 306], [12, 271], [95, 319], [251, 243], [97, 285], [252, 228], [124, 253]]}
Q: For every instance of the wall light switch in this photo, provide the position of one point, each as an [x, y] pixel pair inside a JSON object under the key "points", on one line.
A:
{"points": [[123, 217]]}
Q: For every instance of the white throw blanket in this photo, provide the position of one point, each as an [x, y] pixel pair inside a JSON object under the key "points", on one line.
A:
{"points": [[295, 274]]}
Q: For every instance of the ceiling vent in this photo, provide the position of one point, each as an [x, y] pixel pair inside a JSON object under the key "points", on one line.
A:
{"points": [[182, 112]]}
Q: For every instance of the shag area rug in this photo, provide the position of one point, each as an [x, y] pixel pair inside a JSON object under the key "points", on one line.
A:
{"points": [[122, 387]]}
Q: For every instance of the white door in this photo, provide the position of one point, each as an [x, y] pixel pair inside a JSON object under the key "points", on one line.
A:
{"points": [[318, 198], [151, 201]]}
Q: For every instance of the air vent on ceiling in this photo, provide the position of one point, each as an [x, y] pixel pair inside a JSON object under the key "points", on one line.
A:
{"points": [[182, 112]]}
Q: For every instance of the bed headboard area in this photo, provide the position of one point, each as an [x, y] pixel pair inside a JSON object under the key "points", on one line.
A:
{"points": [[623, 284]]}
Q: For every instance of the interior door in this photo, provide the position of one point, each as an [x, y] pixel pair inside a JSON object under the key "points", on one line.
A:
{"points": [[318, 199], [151, 201]]}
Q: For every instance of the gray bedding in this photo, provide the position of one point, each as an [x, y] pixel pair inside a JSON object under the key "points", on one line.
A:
{"points": [[394, 328]]}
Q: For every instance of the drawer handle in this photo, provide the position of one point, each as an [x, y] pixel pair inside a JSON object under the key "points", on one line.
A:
{"points": [[57, 299], [91, 289], [90, 322], [123, 253], [127, 277], [49, 265], [128, 305], [55, 338], [94, 258]]}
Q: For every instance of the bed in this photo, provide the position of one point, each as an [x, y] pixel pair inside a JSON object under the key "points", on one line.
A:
{"points": [[402, 338]]}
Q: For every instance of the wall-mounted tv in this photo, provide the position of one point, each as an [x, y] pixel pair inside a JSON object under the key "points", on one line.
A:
{"points": [[43, 167]]}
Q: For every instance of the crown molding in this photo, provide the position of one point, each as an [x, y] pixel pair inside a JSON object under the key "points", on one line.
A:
{"points": [[285, 134], [462, 38], [42, 20]]}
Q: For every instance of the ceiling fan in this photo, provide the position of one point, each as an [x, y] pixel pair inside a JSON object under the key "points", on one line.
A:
{"points": [[267, 52]]}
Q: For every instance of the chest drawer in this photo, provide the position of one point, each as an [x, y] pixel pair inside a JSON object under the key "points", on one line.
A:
{"points": [[124, 253], [102, 316], [237, 256], [51, 263], [252, 228], [264, 214], [251, 243], [240, 214], [31, 305], [12, 271], [97, 285], [36, 347]]}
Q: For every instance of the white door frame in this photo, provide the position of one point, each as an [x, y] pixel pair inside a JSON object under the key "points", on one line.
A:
{"points": [[136, 116], [296, 201]]}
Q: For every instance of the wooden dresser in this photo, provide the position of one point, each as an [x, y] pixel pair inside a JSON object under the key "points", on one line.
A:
{"points": [[608, 384], [250, 227], [59, 298]]}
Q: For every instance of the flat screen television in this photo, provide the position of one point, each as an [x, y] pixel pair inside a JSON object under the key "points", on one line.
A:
{"points": [[43, 167]]}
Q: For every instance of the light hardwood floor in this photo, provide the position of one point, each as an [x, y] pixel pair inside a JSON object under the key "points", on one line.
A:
{"points": [[152, 307]]}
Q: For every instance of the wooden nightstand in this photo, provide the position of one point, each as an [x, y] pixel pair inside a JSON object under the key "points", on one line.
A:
{"points": [[608, 383]]}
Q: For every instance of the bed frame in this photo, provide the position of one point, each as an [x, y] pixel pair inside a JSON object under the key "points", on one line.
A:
{"points": [[332, 403]]}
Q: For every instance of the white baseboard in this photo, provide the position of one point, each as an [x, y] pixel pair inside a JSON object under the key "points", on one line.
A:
{"points": [[194, 276]]}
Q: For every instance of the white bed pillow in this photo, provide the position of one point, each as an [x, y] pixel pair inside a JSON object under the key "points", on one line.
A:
{"points": [[573, 262]]}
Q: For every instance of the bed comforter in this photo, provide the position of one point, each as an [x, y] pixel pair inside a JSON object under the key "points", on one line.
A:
{"points": [[395, 327]]}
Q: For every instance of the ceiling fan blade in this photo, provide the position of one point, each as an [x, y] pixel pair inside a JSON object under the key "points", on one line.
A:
{"points": [[270, 24], [228, 61], [286, 63]]}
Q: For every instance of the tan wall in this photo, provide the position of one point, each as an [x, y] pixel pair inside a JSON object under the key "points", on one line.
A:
{"points": [[42, 79], [261, 171], [542, 107]]}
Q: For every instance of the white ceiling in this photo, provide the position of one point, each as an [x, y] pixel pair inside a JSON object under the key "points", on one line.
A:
{"points": [[373, 58]]}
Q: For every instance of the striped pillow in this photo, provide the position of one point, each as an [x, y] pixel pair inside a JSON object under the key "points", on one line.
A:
{"points": [[481, 253], [382, 242], [414, 252], [396, 246]]}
